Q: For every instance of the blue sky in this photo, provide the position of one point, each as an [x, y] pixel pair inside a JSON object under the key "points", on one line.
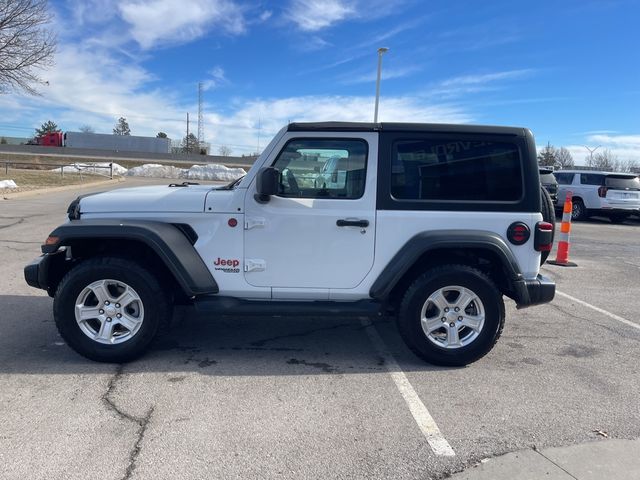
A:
{"points": [[569, 70]]}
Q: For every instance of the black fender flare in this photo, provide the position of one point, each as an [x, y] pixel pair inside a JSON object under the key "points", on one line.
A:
{"points": [[167, 241], [423, 242]]}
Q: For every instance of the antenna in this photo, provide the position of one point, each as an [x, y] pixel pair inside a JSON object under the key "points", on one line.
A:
{"points": [[259, 125], [200, 115]]}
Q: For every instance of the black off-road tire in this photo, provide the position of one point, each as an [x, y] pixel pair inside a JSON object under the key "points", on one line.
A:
{"points": [[409, 323], [158, 308], [548, 215]]}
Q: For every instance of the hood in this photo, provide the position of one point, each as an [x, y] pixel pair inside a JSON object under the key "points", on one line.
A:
{"points": [[189, 198]]}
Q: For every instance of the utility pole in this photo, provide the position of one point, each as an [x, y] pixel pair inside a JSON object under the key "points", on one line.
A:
{"points": [[381, 51], [200, 117], [187, 146]]}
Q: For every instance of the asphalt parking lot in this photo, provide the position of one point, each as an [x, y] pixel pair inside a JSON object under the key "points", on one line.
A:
{"points": [[313, 398]]}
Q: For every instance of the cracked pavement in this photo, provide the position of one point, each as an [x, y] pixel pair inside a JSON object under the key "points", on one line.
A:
{"points": [[305, 397]]}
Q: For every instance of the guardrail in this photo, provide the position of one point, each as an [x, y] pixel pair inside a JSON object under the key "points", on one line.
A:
{"points": [[80, 168]]}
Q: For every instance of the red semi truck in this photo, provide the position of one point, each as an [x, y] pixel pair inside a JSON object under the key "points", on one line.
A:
{"points": [[54, 139]]}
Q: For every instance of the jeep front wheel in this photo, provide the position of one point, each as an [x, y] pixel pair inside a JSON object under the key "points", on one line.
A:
{"points": [[109, 309], [451, 315]]}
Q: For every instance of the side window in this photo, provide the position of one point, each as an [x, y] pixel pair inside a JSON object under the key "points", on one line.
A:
{"points": [[322, 168], [591, 179], [564, 178], [456, 170]]}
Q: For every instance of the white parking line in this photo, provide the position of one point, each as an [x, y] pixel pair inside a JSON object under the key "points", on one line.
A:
{"points": [[600, 310], [423, 418]]}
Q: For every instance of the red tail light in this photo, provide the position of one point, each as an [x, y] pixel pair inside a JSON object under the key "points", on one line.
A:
{"points": [[602, 192], [543, 238]]}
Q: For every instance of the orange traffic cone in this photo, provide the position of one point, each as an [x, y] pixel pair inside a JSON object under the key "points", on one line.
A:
{"points": [[562, 256]]}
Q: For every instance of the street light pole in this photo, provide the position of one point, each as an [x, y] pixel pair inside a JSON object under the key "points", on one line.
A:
{"points": [[381, 51]]}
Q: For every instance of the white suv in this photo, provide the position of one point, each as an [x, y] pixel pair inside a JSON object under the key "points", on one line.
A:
{"points": [[434, 224], [614, 195]]}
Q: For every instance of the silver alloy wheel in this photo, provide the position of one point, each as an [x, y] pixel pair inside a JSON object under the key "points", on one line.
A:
{"points": [[109, 311], [452, 317], [576, 210]]}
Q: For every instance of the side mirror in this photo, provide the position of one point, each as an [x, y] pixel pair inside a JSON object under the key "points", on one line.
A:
{"points": [[267, 184]]}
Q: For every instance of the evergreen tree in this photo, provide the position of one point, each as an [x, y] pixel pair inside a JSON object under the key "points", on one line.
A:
{"points": [[189, 144], [47, 127], [122, 127], [547, 157]]}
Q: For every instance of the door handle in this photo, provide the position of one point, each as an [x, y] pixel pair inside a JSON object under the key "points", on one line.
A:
{"points": [[352, 223]]}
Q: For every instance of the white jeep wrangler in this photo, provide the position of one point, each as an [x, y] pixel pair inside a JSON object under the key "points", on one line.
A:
{"points": [[432, 223]]}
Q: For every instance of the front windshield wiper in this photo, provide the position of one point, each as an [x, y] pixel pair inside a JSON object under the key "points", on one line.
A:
{"points": [[232, 185]]}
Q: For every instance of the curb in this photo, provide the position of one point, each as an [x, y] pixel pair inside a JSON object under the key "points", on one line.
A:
{"points": [[43, 191]]}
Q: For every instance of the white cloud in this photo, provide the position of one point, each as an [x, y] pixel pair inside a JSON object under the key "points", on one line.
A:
{"points": [[314, 15], [616, 140], [88, 85], [264, 16], [388, 74], [624, 147], [160, 22], [465, 84], [240, 127], [485, 78], [217, 78]]}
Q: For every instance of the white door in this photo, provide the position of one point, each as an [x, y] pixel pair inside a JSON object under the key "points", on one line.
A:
{"points": [[313, 237]]}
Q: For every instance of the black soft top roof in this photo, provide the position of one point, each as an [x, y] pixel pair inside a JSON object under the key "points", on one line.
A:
{"points": [[401, 127]]}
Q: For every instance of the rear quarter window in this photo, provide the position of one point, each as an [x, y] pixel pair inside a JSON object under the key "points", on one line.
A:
{"points": [[456, 170], [591, 179]]}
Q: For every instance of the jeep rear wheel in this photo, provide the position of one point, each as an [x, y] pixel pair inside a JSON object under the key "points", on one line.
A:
{"points": [[109, 309], [451, 315]]}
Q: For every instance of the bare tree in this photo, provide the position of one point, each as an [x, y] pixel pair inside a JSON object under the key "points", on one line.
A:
{"points": [[26, 44], [564, 159], [604, 160], [87, 129], [224, 151], [631, 166]]}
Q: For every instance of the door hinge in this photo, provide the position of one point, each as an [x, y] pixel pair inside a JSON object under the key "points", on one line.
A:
{"points": [[254, 265], [254, 222]]}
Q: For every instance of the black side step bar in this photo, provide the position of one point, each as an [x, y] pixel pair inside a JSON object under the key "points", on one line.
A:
{"points": [[220, 305]]}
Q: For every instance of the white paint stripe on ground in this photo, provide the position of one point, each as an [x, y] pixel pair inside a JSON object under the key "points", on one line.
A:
{"points": [[423, 418], [600, 310]]}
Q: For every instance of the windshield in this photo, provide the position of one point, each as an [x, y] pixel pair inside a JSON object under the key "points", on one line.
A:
{"points": [[622, 182]]}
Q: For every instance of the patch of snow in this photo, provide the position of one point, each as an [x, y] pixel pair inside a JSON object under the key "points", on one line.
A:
{"points": [[156, 170], [211, 171], [8, 184], [214, 171], [91, 168]]}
